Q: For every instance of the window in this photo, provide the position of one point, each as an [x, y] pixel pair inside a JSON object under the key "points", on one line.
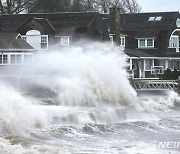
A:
{"points": [[44, 42], [65, 40], [148, 64], [157, 18], [28, 59], [150, 43], [174, 42], [142, 43], [3, 59], [111, 38], [16, 59], [146, 43], [171, 64], [13, 57], [122, 41], [151, 18], [174, 64]]}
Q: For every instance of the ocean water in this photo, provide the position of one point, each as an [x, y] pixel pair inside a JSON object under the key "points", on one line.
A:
{"points": [[79, 101]]}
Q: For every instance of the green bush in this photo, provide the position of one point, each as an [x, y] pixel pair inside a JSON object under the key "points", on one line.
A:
{"points": [[171, 75]]}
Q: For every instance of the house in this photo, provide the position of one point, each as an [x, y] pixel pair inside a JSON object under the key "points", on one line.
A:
{"points": [[46, 29], [14, 52], [151, 40]]}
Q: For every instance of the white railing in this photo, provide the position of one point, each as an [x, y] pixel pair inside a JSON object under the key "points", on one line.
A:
{"points": [[156, 84]]}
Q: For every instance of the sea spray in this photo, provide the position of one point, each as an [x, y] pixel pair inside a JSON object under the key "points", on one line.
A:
{"points": [[152, 102], [94, 97], [90, 75], [18, 115]]}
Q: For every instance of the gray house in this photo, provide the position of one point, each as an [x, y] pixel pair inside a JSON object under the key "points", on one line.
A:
{"points": [[46, 29], [151, 40]]}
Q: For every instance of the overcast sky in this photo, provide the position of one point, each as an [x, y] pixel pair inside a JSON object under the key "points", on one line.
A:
{"points": [[159, 5]]}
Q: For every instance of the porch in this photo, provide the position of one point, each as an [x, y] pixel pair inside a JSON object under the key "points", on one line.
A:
{"points": [[151, 67]]}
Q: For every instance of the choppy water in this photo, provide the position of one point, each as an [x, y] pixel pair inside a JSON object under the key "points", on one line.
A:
{"points": [[96, 110], [103, 129]]}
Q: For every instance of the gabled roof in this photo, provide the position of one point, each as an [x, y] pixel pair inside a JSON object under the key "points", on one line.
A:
{"points": [[13, 41], [145, 28], [11, 23], [44, 22]]}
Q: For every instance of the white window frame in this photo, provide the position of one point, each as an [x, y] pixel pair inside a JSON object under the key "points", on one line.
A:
{"points": [[122, 41], [62, 40], [155, 18], [30, 61], [146, 44], [22, 59], [25, 38], [2, 60], [172, 43], [45, 36], [146, 62], [16, 59], [111, 38], [158, 18], [151, 18], [157, 69]]}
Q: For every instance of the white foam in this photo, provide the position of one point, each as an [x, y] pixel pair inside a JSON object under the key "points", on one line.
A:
{"points": [[88, 76], [18, 114]]}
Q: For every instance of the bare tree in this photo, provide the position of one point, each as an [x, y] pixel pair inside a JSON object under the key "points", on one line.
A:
{"points": [[76, 6], [131, 6], [13, 6], [125, 6], [102, 6]]}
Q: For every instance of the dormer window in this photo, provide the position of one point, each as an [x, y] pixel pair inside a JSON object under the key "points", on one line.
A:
{"points": [[145, 43], [141, 43], [36, 40], [150, 42]]}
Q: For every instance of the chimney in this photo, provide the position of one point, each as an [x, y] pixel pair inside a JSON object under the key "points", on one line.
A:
{"points": [[115, 23]]}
